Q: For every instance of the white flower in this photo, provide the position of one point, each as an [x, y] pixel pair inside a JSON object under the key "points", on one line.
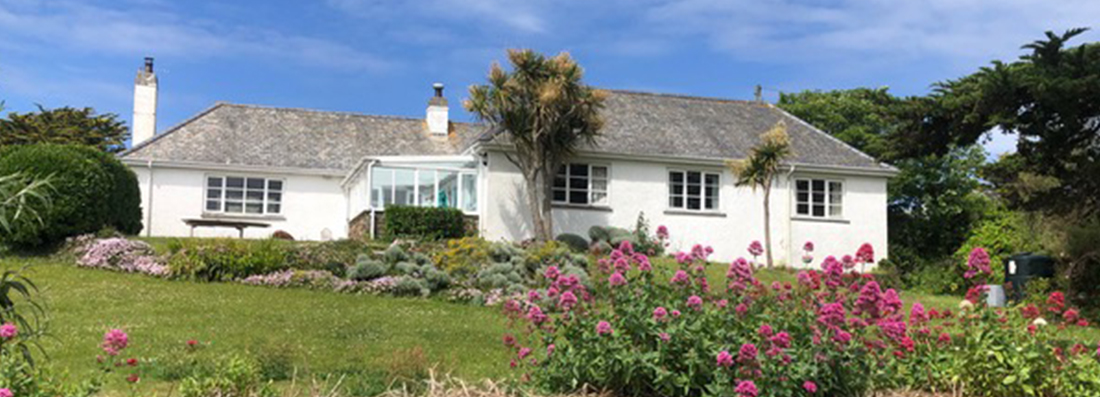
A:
{"points": [[1039, 322], [965, 304]]}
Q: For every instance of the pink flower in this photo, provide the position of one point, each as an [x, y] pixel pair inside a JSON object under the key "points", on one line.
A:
{"points": [[747, 353], [848, 261], [626, 247], [114, 341], [781, 340], [755, 248], [533, 296], [644, 265], [917, 314], [524, 352], [675, 313], [567, 300], [550, 349], [681, 278], [536, 316], [659, 313], [722, 303], [865, 253], [746, 388], [662, 232], [616, 280], [695, 303], [5, 392], [552, 273], [725, 359], [894, 330], [810, 387], [766, 330], [944, 338], [664, 337], [603, 328], [977, 263], [8, 331], [808, 247], [842, 336]]}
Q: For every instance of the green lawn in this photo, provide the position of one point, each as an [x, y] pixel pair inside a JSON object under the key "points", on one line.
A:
{"points": [[323, 332]]}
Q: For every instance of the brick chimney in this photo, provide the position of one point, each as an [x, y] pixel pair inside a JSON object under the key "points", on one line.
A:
{"points": [[438, 114], [145, 104]]}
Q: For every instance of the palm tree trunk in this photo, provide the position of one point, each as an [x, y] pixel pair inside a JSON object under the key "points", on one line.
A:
{"points": [[535, 191], [547, 208], [767, 224]]}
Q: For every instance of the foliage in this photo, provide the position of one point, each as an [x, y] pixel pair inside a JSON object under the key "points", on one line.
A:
{"points": [[332, 256], [1002, 233], [313, 279], [235, 376], [89, 191], [547, 113], [21, 199], [573, 241], [228, 259], [1082, 248], [429, 223], [20, 308], [760, 169], [367, 269], [65, 126], [861, 117], [647, 330], [1049, 98], [643, 241], [463, 256]]}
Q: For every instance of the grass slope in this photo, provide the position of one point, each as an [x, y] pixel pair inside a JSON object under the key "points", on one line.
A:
{"points": [[323, 332]]}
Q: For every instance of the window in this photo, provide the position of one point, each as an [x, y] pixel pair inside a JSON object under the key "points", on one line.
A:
{"points": [[819, 198], [583, 184], [242, 195], [693, 190], [424, 187]]}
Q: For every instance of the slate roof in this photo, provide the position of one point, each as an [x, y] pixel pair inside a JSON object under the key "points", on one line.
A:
{"points": [[648, 124], [637, 123], [232, 134]]}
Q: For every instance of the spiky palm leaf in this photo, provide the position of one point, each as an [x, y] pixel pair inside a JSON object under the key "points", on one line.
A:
{"points": [[21, 199]]}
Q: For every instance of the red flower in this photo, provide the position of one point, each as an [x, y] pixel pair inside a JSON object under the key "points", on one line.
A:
{"points": [[133, 378], [1057, 301], [133, 362]]}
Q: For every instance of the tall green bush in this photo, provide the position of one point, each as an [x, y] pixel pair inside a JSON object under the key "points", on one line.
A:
{"points": [[1002, 233], [424, 222], [90, 191]]}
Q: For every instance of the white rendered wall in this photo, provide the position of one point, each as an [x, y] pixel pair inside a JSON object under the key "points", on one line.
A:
{"points": [[310, 204], [636, 187]]}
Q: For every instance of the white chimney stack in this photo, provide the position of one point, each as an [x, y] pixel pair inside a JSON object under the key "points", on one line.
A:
{"points": [[145, 104], [438, 118]]}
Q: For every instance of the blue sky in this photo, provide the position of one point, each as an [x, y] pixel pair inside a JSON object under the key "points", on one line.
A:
{"points": [[380, 56]]}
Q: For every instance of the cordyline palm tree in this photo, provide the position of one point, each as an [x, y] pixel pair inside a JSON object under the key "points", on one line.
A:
{"points": [[547, 113], [761, 168], [21, 198]]}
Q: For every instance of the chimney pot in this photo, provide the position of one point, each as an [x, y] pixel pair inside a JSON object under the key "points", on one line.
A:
{"points": [[148, 64], [438, 114], [438, 89]]}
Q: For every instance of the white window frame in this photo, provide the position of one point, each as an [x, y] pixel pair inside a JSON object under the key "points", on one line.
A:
{"points": [[414, 195], [683, 194], [244, 195], [827, 198], [590, 192]]}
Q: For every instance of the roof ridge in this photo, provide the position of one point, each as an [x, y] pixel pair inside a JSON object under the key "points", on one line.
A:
{"points": [[334, 112], [684, 96]]}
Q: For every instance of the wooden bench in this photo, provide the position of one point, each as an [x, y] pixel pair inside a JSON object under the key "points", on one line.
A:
{"points": [[236, 224]]}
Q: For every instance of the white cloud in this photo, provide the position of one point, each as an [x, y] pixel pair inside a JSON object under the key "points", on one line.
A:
{"points": [[154, 30], [525, 16]]}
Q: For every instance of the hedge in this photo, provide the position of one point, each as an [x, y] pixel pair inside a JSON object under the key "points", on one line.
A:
{"points": [[424, 222], [89, 191]]}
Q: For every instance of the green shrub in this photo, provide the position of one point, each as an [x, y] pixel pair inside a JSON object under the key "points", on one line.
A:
{"points": [[406, 268], [599, 233], [409, 286], [424, 222], [395, 254], [367, 269], [89, 191], [463, 256], [436, 279], [228, 259], [1002, 233], [233, 377], [1082, 273], [334, 256], [575, 242]]}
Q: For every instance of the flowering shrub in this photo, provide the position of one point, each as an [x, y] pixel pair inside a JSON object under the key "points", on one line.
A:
{"points": [[644, 330], [119, 254], [318, 279]]}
